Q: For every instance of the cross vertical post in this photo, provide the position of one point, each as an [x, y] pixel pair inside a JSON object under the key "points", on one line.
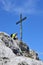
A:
{"points": [[20, 27]]}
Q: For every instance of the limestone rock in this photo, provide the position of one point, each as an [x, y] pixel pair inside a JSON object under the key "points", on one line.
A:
{"points": [[9, 42], [23, 63], [33, 54], [5, 51], [8, 48]]}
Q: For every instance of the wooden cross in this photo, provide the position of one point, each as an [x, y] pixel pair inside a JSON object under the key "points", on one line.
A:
{"points": [[20, 21]]}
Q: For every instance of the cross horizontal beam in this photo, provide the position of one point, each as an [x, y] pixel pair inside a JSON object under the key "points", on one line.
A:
{"points": [[21, 20]]}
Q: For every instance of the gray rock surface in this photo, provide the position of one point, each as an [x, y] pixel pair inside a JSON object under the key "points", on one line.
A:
{"points": [[13, 52]]}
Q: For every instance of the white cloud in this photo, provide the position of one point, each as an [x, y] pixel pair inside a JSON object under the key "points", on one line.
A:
{"points": [[27, 6], [7, 5]]}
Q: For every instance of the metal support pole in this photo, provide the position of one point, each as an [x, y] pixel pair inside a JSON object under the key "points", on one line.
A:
{"points": [[20, 27]]}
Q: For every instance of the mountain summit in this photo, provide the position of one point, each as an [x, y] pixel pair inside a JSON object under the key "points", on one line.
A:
{"points": [[15, 52]]}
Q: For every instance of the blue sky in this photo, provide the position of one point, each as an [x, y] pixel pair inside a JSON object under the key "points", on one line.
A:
{"points": [[32, 27]]}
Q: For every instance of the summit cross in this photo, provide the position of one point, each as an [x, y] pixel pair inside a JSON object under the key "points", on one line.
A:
{"points": [[20, 21]]}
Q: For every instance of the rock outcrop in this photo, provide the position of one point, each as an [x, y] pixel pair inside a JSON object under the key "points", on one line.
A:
{"points": [[14, 52]]}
